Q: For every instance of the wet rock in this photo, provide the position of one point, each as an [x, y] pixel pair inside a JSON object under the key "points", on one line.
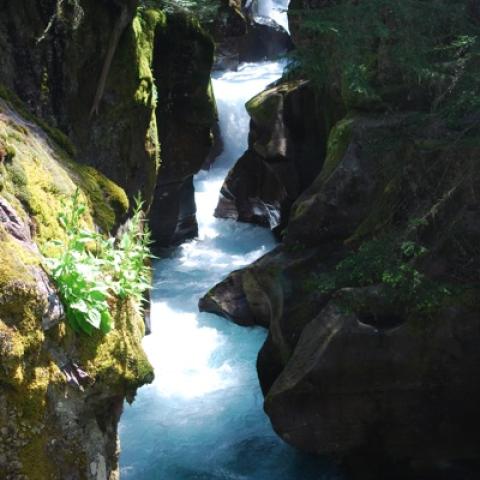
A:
{"points": [[287, 145], [265, 40], [186, 114], [229, 299], [241, 37], [173, 213], [252, 193], [75, 376]]}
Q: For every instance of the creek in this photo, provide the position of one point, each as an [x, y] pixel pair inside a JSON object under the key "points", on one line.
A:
{"points": [[202, 418]]}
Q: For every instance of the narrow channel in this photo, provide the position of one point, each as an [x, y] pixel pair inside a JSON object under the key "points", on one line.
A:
{"points": [[203, 418]]}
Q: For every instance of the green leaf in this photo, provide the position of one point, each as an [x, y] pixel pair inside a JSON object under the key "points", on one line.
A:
{"points": [[94, 318], [80, 306], [106, 323]]}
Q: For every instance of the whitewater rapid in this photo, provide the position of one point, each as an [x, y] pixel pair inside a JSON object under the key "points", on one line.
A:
{"points": [[203, 418]]}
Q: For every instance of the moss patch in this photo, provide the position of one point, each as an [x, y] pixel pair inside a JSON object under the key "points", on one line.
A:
{"points": [[55, 134], [338, 142], [118, 357], [40, 177]]}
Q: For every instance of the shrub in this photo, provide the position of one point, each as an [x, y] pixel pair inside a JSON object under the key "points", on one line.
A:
{"points": [[92, 270], [394, 263]]}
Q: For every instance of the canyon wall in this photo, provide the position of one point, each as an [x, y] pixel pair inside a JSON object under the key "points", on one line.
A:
{"points": [[371, 298]]}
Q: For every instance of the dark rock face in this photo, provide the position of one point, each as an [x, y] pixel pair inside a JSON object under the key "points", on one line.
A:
{"points": [[229, 299], [287, 146], [252, 193], [265, 39], [241, 37], [350, 387], [186, 112], [59, 76], [354, 367], [172, 215]]}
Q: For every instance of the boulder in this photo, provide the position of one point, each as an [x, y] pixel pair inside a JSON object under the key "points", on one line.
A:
{"points": [[404, 393], [287, 144], [265, 40], [371, 302], [241, 37]]}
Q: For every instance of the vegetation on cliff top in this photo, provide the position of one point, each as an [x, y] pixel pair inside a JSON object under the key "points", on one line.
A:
{"points": [[204, 10], [378, 51]]}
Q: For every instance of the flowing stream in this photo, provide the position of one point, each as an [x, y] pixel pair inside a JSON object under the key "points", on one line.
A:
{"points": [[202, 418]]}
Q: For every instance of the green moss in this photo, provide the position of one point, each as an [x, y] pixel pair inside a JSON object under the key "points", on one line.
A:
{"points": [[263, 108], [144, 27], [36, 462], [118, 356], [15, 261], [108, 201], [31, 400], [10, 153], [132, 115], [39, 178], [54, 134], [16, 172], [35, 180], [338, 141]]}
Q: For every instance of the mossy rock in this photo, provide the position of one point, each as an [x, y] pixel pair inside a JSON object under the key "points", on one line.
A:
{"points": [[263, 108], [41, 176], [36, 180]]}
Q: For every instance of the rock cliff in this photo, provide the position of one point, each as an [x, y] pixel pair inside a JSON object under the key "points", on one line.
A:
{"points": [[61, 394], [368, 298], [243, 36], [287, 145], [371, 297]]}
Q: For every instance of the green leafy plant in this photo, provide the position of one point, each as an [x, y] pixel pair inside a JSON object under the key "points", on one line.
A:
{"points": [[128, 259], [92, 270], [372, 47], [390, 262]]}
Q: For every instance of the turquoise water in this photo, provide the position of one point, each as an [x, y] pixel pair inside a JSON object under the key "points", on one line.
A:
{"points": [[202, 418]]}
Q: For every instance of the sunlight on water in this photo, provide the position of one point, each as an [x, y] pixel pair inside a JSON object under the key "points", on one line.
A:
{"points": [[180, 352], [232, 91]]}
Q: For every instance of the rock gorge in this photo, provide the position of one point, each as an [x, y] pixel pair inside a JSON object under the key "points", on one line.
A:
{"points": [[370, 298]]}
